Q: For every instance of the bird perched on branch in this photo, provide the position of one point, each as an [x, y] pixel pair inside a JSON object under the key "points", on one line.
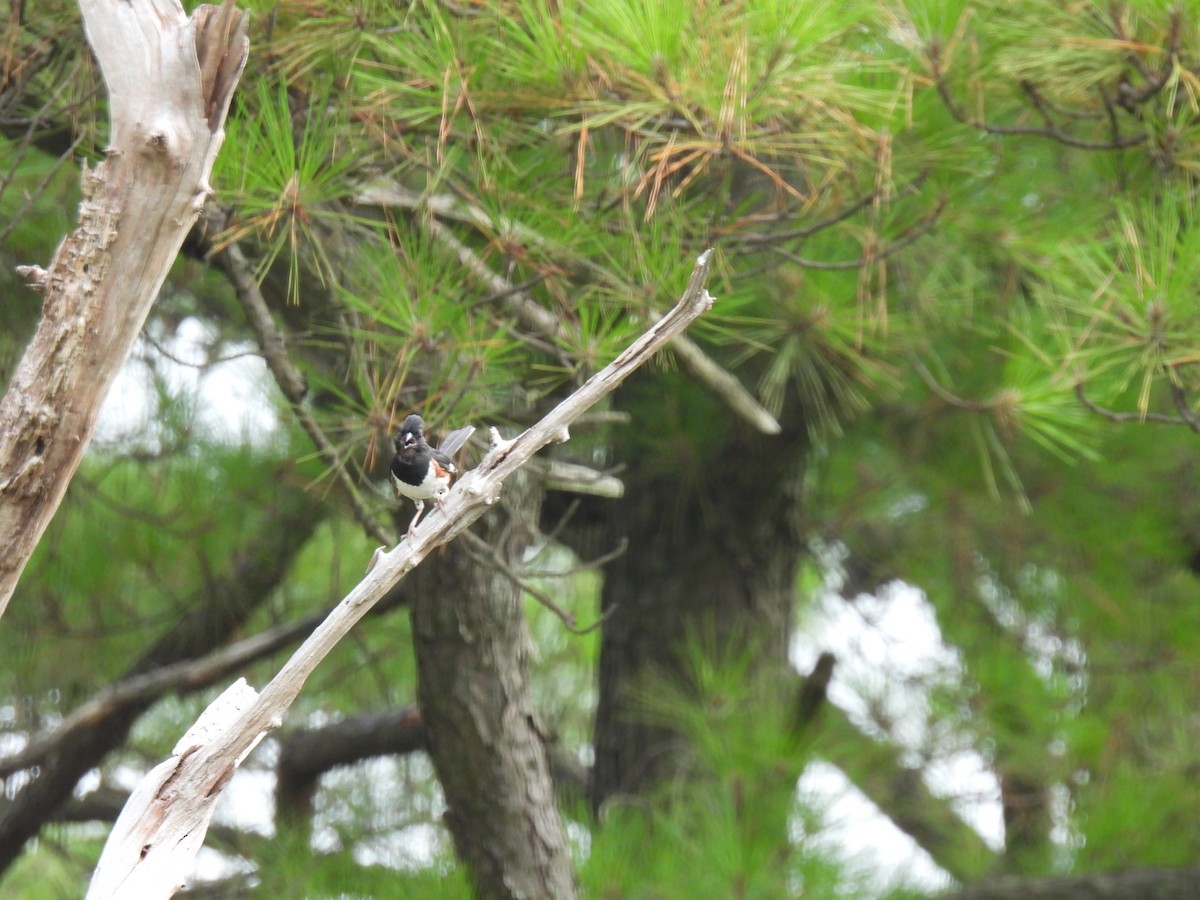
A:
{"points": [[421, 472]]}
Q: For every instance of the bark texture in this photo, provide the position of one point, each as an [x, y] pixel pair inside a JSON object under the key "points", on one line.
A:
{"points": [[169, 81], [472, 653]]}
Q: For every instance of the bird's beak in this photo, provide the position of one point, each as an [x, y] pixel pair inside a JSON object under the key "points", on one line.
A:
{"points": [[409, 439]]}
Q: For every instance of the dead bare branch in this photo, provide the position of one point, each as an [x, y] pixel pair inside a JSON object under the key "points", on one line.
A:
{"points": [[138, 205], [191, 674], [158, 834]]}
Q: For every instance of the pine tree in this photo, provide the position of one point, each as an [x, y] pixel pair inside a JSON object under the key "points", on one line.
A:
{"points": [[954, 348]]}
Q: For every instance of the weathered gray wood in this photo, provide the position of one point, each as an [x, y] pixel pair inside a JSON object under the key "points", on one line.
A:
{"points": [[170, 80], [127, 868], [182, 792]]}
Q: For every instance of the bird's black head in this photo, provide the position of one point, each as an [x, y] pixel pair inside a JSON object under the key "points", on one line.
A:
{"points": [[412, 432]]}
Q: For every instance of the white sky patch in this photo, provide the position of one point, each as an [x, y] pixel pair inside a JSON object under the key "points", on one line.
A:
{"points": [[248, 804], [228, 399], [418, 846], [889, 650], [856, 832]]}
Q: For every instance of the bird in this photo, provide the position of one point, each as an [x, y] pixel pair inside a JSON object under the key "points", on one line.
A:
{"points": [[421, 472]]}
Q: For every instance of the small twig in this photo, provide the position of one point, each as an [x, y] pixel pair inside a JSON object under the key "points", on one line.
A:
{"points": [[1052, 131], [1118, 28], [584, 565], [1117, 416], [1114, 126], [486, 553], [513, 289], [518, 303], [200, 367], [941, 392], [910, 236], [851, 209], [1179, 396], [563, 520], [28, 142], [33, 196]]}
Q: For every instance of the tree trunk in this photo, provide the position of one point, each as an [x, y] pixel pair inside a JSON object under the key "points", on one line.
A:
{"points": [[472, 651], [169, 80], [714, 544]]}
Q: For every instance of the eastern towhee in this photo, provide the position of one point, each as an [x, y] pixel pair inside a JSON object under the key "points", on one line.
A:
{"points": [[421, 472]]}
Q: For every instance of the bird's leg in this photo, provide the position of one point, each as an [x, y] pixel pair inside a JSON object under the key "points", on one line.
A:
{"points": [[412, 526]]}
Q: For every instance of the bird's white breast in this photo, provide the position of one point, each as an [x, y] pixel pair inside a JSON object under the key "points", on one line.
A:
{"points": [[431, 487]]}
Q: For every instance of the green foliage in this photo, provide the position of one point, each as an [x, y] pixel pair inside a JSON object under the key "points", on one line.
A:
{"points": [[290, 868], [81, 588], [289, 183], [49, 873], [732, 824], [957, 252]]}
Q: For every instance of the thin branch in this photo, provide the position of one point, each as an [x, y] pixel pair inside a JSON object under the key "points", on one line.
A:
{"points": [[287, 376], [563, 521], [482, 550], [26, 138], [945, 395], [594, 563], [1128, 96], [520, 305], [723, 384], [1051, 130], [848, 211], [33, 196], [161, 350], [1117, 416], [1179, 396], [910, 236], [190, 674]]}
